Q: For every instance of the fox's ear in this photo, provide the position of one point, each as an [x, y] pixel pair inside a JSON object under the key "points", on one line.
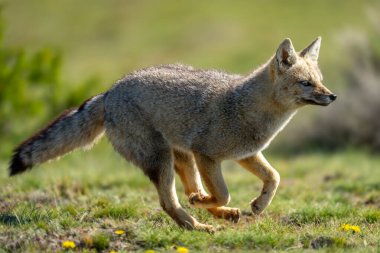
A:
{"points": [[312, 51], [286, 55]]}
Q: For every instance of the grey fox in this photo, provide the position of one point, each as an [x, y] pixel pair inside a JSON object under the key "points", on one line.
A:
{"points": [[175, 118]]}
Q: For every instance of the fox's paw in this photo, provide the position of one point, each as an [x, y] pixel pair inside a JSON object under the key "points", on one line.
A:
{"points": [[256, 207], [233, 215], [228, 213], [205, 228], [196, 199]]}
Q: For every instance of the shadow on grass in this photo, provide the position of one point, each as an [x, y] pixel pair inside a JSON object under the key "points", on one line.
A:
{"points": [[9, 219], [25, 215]]}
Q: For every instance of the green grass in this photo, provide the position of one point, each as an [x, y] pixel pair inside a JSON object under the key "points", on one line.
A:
{"points": [[86, 196]]}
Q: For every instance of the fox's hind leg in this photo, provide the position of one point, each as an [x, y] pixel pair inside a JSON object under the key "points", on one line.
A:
{"points": [[148, 149], [186, 168], [163, 179], [259, 166]]}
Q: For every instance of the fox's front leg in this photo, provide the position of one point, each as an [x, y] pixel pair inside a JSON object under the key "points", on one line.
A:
{"points": [[259, 166]]}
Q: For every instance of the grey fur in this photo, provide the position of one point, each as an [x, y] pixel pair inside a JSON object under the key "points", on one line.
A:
{"points": [[210, 112]]}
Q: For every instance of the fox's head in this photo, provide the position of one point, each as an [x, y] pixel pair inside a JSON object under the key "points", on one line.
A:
{"points": [[297, 78]]}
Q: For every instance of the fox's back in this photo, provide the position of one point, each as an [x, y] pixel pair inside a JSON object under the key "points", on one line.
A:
{"points": [[178, 100], [179, 80]]}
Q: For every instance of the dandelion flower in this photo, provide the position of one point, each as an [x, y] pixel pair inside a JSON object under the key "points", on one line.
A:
{"points": [[119, 232], [349, 227], [68, 244], [182, 250], [112, 251], [356, 229], [149, 251]]}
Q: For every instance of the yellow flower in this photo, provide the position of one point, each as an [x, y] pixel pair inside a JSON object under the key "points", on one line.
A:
{"points": [[348, 227], [182, 250], [356, 229], [68, 244], [149, 251], [112, 251], [119, 232]]}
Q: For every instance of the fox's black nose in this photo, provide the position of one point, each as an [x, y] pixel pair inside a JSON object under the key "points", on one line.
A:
{"points": [[333, 97]]}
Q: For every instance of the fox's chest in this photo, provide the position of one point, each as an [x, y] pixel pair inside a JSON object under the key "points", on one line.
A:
{"points": [[250, 141]]}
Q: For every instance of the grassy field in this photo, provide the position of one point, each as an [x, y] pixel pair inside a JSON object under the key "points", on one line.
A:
{"points": [[86, 196]]}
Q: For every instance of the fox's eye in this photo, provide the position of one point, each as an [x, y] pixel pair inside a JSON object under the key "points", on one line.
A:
{"points": [[305, 83]]}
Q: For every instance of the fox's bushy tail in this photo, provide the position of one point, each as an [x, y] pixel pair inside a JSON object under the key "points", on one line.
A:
{"points": [[76, 127]]}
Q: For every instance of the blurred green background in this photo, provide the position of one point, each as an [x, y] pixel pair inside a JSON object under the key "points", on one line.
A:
{"points": [[111, 38], [54, 54]]}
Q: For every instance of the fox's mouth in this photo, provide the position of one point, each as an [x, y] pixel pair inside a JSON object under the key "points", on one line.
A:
{"points": [[316, 102], [322, 100]]}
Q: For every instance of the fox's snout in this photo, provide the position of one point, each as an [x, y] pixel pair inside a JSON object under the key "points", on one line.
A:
{"points": [[324, 96], [327, 99], [323, 99]]}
